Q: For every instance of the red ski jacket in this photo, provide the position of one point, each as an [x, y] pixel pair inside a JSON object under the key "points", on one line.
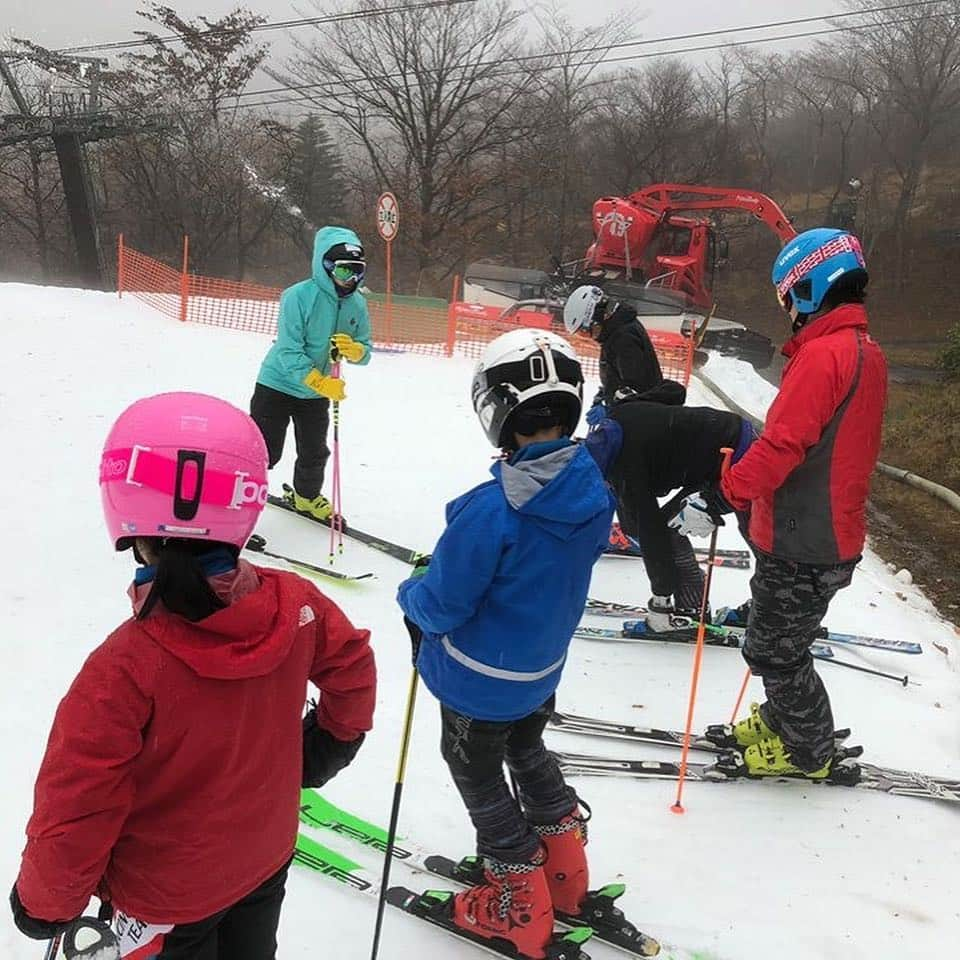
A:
{"points": [[171, 780], [806, 479]]}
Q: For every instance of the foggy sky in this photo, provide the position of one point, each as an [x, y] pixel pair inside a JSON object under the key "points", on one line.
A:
{"points": [[61, 23]]}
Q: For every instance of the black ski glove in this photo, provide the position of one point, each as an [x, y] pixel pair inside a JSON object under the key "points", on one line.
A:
{"points": [[324, 756], [32, 927], [416, 638], [716, 503]]}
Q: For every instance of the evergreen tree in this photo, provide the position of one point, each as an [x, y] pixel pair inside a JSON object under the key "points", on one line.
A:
{"points": [[315, 181]]}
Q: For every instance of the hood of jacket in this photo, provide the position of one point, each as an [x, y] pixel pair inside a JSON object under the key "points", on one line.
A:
{"points": [[554, 484], [622, 316], [249, 638], [668, 392], [326, 238], [847, 315]]}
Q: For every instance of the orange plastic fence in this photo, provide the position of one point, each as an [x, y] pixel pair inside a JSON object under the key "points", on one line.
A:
{"points": [[415, 324]]}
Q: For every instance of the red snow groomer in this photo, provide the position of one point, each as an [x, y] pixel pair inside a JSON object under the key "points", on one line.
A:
{"points": [[645, 237]]}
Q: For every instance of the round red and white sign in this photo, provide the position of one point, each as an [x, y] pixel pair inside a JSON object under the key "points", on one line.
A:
{"points": [[388, 216]]}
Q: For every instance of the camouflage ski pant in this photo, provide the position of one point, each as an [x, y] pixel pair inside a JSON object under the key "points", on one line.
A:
{"points": [[789, 603]]}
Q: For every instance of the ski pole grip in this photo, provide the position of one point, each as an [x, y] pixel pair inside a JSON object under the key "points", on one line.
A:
{"points": [[726, 455], [90, 938]]}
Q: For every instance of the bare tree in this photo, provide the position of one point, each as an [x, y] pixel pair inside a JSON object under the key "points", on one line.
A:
{"points": [[427, 94], [762, 105], [202, 172], [657, 121], [906, 70], [721, 85], [564, 100]]}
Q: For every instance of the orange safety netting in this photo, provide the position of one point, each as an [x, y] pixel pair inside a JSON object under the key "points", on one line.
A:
{"points": [[414, 324]]}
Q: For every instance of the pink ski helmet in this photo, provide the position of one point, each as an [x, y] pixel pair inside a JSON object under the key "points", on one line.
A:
{"points": [[183, 465]]}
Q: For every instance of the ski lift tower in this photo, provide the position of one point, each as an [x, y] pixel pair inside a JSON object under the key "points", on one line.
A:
{"points": [[70, 119]]}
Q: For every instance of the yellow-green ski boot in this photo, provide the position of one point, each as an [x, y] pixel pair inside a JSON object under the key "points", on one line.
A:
{"points": [[769, 758], [319, 507], [742, 734]]}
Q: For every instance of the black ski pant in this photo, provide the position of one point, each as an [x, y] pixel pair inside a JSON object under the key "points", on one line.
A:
{"points": [[690, 579], [245, 931], [272, 411], [789, 603], [475, 751]]}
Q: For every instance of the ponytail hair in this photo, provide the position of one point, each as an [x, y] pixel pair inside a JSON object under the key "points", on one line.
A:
{"points": [[180, 580]]}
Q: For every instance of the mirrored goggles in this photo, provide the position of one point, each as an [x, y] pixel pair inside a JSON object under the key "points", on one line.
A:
{"points": [[347, 270]]}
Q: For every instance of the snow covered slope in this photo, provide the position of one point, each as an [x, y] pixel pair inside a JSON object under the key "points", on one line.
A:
{"points": [[752, 871]]}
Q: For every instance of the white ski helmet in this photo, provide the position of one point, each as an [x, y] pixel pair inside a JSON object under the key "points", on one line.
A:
{"points": [[580, 310], [527, 378]]}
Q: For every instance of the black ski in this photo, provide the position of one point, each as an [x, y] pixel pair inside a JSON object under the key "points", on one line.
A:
{"points": [[632, 612], [717, 739], [846, 772], [714, 636], [258, 544], [395, 550], [620, 543], [316, 811], [434, 906], [721, 559], [593, 727], [598, 911]]}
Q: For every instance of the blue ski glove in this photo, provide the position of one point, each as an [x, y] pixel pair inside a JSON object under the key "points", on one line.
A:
{"points": [[596, 413]]}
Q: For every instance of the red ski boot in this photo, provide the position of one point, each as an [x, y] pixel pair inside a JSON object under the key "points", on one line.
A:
{"points": [[513, 904], [566, 865]]}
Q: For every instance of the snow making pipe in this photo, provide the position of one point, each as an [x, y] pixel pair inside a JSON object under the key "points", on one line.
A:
{"points": [[921, 483], [937, 490]]}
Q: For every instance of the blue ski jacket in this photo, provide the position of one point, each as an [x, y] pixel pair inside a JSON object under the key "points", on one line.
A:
{"points": [[311, 312], [508, 580]]}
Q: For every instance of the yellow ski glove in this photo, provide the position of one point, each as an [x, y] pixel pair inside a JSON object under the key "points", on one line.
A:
{"points": [[348, 348], [330, 387]]}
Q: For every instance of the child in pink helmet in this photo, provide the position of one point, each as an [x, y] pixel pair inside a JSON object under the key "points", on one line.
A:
{"points": [[170, 784]]}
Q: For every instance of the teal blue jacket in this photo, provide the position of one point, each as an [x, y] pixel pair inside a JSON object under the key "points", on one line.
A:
{"points": [[310, 314]]}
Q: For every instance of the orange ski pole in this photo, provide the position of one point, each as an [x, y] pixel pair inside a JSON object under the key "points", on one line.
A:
{"points": [[743, 690], [678, 807]]}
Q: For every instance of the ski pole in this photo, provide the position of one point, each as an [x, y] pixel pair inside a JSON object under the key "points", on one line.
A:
{"points": [[336, 523], [726, 454], [903, 681], [395, 810], [336, 518], [740, 696], [52, 947]]}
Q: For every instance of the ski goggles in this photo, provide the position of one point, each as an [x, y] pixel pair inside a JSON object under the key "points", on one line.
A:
{"points": [[804, 290], [344, 271]]}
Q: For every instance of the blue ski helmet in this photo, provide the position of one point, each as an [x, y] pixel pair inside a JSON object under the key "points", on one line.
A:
{"points": [[811, 263]]}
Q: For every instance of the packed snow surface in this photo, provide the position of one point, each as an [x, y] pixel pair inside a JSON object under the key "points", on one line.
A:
{"points": [[752, 871]]}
